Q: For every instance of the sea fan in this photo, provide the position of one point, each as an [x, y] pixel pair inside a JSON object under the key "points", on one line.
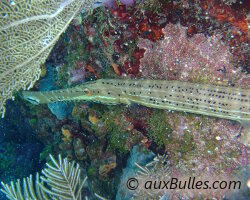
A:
{"points": [[60, 180], [28, 32]]}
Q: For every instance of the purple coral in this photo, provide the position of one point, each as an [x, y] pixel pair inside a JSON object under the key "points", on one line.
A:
{"points": [[111, 3], [127, 2], [181, 58], [77, 75]]}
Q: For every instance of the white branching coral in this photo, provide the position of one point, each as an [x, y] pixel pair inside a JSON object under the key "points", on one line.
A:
{"points": [[61, 180], [152, 174]]}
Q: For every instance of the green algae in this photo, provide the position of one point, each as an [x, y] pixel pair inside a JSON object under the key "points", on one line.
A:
{"points": [[118, 140], [33, 122], [113, 124], [160, 131], [62, 76], [188, 146], [92, 171], [118, 137]]}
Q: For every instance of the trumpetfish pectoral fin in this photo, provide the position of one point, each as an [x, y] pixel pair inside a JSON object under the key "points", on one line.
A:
{"points": [[245, 133]]}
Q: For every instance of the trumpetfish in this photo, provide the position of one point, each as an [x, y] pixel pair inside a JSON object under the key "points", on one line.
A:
{"points": [[205, 99]]}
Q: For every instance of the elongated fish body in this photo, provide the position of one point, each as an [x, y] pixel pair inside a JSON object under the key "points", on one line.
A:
{"points": [[218, 101]]}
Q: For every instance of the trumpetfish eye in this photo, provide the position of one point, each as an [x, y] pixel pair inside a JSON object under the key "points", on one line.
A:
{"points": [[87, 92]]}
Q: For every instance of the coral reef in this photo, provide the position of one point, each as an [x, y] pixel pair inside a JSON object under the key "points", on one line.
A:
{"points": [[157, 180], [181, 58], [196, 41]]}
